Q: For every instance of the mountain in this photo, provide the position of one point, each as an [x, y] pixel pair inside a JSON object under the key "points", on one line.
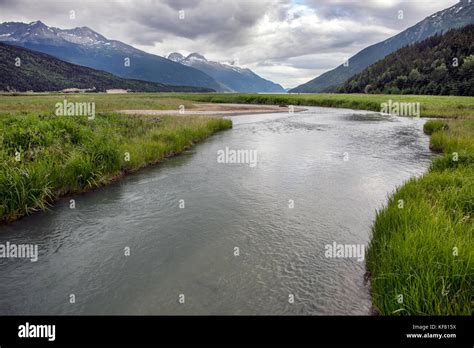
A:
{"points": [[40, 72], [83, 46], [456, 16], [230, 77], [442, 64]]}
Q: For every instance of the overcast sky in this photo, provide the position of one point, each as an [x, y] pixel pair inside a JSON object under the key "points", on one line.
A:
{"points": [[286, 41]]}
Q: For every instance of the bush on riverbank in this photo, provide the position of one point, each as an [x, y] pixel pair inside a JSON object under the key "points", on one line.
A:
{"points": [[432, 126], [44, 157]]}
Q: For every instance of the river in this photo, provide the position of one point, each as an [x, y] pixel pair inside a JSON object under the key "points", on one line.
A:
{"points": [[195, 236]]}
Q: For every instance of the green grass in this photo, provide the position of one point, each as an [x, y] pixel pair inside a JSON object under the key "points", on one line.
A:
{"points": [[60, 155], [433, 126], [413, 249], [431, 106], [422, 245], [43, 102]]}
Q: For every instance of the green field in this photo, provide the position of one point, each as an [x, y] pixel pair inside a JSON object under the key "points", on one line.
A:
{"points": [[44, 157], [421, 256], [43, 102], [431, 106]]}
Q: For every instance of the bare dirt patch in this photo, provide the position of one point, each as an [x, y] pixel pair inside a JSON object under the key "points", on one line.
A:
{"points": [[214, 109]]}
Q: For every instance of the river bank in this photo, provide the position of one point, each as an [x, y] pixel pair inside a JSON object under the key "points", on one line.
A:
{"points": [[421, 255], [45, 157], [215, 109]]}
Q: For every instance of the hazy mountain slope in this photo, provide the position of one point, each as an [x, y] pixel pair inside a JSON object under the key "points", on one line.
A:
{"points": [[83, 46], [456, 16], [442, 64], [40, 72], [231, 77]]}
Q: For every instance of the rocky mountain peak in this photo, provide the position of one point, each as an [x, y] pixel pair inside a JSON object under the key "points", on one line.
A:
{"points": [[176, 57], [196, 56]]}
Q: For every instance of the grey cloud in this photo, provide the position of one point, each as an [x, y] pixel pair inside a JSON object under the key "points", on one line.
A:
{"points": [[319, 34], [379, 12]]}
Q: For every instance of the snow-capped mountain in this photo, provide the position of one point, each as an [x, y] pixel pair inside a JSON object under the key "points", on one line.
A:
{"points": [[455, 16], [38, 32], [84, 46], [44, 73], [231, 77]]}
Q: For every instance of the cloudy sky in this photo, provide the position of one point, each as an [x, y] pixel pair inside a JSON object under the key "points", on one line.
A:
{"points": [[286, 41]]}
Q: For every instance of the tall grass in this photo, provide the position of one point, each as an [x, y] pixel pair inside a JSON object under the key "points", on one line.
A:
{"points": [[421, 256], [44, 102], [62, 155]]}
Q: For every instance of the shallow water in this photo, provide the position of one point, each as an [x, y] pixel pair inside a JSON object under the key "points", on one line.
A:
{"points": [[337, 166]]}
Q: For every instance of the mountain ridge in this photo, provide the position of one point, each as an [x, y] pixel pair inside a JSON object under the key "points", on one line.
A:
{"points": [[23, 70], [231, 77], [83, 46]]}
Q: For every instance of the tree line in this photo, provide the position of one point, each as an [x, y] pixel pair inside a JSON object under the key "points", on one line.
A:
{"points": [[442, 64]]}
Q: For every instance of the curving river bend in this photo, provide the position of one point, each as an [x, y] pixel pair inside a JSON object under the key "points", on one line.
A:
{"points": [[337, 166]]}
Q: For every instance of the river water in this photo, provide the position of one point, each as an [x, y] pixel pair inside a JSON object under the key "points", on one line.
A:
{"points": [[224, 238]]}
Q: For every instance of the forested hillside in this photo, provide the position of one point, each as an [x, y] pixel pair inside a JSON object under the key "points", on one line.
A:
{"points": [[439, 65]]}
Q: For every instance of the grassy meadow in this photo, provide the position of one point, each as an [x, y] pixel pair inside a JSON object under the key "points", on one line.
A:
{"points": [[44, 157], [44, 102], [431, 106]]}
